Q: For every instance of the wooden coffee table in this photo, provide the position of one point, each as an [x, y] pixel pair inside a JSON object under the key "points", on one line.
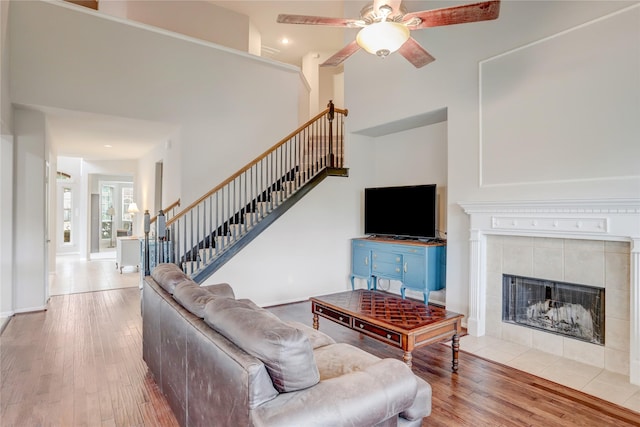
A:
{"points": [[402, 323]]}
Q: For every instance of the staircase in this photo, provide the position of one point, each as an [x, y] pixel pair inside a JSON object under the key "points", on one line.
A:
{"points": [[210, 231]]}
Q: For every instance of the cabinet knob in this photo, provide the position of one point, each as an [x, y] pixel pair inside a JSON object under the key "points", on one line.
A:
{"points": [[340, 318], [397, 270], [361, 326], [389, 336], [366, 260], [319, 310], [405, 267], [397, 259]]}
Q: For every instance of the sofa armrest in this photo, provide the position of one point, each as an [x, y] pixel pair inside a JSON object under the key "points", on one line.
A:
{"points": [[422, 405], [367, 397]]}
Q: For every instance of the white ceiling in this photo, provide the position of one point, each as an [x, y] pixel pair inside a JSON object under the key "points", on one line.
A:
{"points": [[303, 38], [100, 137], [75, 134]]}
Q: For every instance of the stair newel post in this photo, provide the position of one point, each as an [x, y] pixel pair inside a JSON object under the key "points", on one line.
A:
{"points": [[161, 234], [147, 228], [330, 116]]}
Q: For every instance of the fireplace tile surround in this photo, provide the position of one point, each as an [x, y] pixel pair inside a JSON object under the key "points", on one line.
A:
{"points": [[589, 262], [592, 242]]}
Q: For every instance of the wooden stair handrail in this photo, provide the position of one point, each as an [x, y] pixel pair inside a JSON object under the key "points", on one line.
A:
{"points": [[167, 209], [251, 163]]}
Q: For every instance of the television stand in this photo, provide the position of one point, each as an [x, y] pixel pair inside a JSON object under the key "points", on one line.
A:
{"points": [[418, 265]]}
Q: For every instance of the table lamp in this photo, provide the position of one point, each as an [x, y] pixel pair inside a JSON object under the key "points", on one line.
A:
{"points": [[133, 209]]}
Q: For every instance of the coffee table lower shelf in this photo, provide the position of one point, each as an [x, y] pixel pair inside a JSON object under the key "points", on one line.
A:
{"points": [[401, 323]]}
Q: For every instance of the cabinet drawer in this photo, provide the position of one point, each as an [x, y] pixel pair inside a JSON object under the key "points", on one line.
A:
{"points": [[331, 314], [378, 332], [387, 257], [417, 250], [386, 270]]}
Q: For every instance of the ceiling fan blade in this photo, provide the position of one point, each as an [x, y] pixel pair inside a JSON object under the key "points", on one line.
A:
{"points": [[484, 11], [343, 54], [393, 4], [319, 20], [415, 53]]}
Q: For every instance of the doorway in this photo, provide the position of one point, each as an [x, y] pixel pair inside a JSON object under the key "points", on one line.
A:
{"points": [[110, 218]]}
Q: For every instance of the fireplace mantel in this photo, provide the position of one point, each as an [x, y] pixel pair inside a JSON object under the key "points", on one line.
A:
{"points": [[595, 219]]}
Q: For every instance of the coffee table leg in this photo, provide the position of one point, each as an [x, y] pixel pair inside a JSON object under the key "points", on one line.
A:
{"points": [[455, 346], [407, 357], [315, 321]]}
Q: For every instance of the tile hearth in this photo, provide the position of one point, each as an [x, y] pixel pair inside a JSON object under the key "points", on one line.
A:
{"points": [[607, 385]]}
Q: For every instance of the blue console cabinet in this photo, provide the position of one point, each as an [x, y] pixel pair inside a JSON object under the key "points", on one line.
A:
{"points": [[419, 266]]}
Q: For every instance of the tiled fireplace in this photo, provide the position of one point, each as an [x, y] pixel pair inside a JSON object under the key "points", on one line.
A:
{"points": [[590, 243]]}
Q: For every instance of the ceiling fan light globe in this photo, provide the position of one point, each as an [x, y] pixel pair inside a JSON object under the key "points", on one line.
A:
{"points": [[382, 38]]}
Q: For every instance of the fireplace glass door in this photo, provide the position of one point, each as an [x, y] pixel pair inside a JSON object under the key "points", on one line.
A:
{"points": [[568, 309]]}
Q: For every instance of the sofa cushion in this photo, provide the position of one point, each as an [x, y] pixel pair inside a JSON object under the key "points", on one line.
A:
{"points": [[335, 360], [285, 350], [168, 275], [194, 297]]}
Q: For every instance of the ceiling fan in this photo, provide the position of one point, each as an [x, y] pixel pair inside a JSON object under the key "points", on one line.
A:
{"points": [[385, 27]]}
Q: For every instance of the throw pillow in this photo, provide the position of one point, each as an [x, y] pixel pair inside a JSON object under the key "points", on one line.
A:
{"points": [[193, 297], [317, 338], [168, 276], [221, 289], [285, 351]]}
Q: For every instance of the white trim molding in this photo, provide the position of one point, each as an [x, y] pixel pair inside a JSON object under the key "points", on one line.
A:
{"points": [[595, 219]]}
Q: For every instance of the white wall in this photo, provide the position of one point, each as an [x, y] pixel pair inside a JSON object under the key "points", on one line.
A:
{"points": [[29, 246], [589, 131], [209, 92], [304, 253], [452, 81], [5, 100], [199, 19], [113, 7], [412, 157], [147, 178], [323, 82], [6, 171], [6, 226]]}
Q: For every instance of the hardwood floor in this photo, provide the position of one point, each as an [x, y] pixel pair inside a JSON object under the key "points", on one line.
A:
{"points": [[79, 364]]}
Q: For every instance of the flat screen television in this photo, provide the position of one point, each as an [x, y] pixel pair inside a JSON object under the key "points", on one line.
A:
{"points": [[401, 212]]}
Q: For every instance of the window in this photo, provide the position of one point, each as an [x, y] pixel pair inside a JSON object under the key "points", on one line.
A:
{"points": [[66, 214], [115, 198], [106, 202], [127, 199]]}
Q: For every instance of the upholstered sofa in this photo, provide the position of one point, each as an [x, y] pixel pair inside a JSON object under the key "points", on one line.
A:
{"points": [[222, 361]]}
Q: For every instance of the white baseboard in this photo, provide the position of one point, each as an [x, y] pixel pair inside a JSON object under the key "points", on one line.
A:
{"points": [[30, 309], [4, 321]]}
